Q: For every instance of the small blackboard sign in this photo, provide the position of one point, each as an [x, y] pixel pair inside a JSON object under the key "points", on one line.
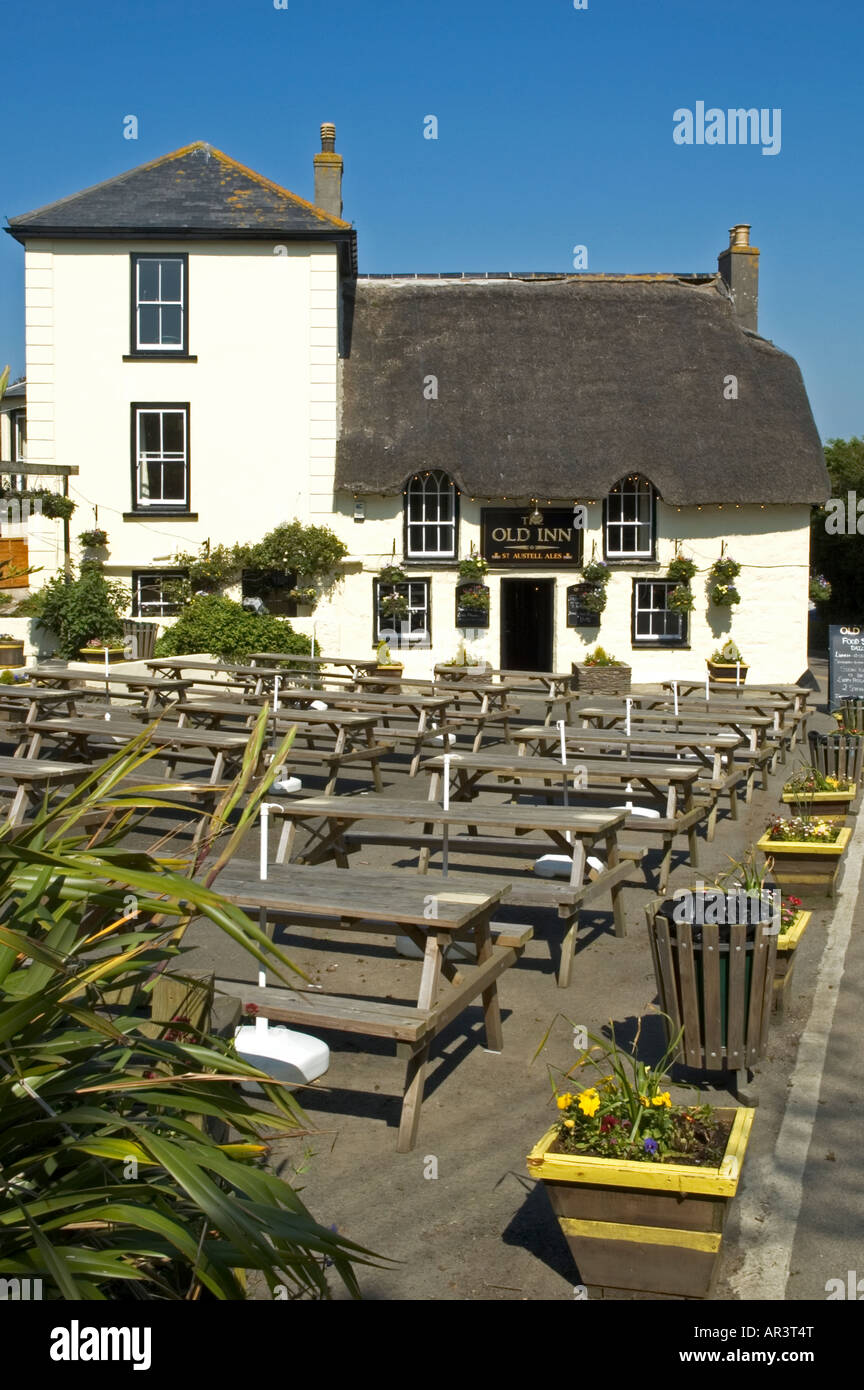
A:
{"points": [[845, 664], [577, 614]]}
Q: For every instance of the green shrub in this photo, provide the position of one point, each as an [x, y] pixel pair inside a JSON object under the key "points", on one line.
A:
{"points": [[224, 628], [84, 608]]}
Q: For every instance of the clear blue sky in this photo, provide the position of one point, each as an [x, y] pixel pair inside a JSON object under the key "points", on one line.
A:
{"points": [[555, 129]]}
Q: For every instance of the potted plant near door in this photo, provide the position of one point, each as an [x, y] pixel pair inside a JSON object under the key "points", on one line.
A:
{"points": [[599, 673], [641, 1184], [727, 665]]}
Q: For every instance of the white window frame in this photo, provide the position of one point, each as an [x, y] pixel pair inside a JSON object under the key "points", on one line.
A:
{"points": [[142, 456], [160, 304], [164, 608], [423, 509], [399, 632], [642, 492], [651, 607]]}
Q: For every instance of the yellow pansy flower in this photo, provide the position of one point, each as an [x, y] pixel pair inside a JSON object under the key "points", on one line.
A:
{"points": [[565, 1101], [663, 1098], [589, 1101], [569, 1124]]}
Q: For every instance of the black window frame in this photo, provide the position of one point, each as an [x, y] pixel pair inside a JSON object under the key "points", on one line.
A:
{"points": [[377, 585], [641, 559], [138, 575], [16, 418], [158, 352], [427, 560], [160, 508], [651, 643]]}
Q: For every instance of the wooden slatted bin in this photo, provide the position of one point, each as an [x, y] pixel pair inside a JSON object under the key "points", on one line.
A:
{"points": [[651, 1228], [716, 983]]}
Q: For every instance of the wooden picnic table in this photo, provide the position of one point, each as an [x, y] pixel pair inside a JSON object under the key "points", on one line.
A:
{"points": [[178, 745], [323, 898], [708, 748], [353, 733], [331, 820], [353, 664], [414, 719], [751, 727], [149, 690], [32, 779], [554, 682], [798, 694], [670, 784]]}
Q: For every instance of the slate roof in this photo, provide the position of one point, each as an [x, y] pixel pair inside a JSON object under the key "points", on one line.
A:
{"points": [[557, 388], [195, 191]]}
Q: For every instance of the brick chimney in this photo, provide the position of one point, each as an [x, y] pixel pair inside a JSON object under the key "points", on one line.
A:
{"points": [[328, 174], [739, 266]]}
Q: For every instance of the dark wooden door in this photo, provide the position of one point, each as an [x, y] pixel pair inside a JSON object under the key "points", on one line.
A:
{"points": [[526, 624]]}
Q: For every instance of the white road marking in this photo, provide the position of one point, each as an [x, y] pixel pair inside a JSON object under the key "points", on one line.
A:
{"points": [[771, 1202]]}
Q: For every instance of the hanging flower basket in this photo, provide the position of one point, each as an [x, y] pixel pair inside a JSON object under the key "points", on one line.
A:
{"points": [[681, 569], [681, 599], [724, 595]]}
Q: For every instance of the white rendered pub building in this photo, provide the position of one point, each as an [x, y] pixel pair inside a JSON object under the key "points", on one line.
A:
{"points": [[201, 347]]}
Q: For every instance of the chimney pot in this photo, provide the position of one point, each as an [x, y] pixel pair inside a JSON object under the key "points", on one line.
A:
{"points": [[328, 173], [738, 264]]}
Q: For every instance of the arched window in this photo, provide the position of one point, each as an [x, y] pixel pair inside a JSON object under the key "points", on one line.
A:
{"points": [[629, 522], [430, 517]]}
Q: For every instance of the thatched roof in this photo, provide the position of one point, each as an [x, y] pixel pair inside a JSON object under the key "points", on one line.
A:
{"points": [[557, 387]]}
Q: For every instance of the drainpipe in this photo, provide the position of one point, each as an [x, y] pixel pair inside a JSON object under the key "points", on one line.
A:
{"points": [[67, 560]]}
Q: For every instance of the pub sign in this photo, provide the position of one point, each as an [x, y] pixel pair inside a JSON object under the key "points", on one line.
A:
{"points": [[511, 537]]}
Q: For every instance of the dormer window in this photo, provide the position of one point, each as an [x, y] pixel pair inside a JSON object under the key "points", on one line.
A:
{"points": [[430, 517], [160, 304], [628, 528]]}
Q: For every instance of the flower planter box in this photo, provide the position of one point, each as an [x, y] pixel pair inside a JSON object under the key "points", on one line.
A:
{"points": [[96, 655], [392, 668], [834, 804], [787, 945], [601, 680], [727, 673], [805, 869], [11, 654], [644, 1227]]}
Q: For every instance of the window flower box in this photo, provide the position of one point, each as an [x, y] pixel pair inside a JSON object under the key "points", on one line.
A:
{"points": [[472, 605]]}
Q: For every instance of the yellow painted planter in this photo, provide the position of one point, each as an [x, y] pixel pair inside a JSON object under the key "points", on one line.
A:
{"points": [[802, 868], [645, 1227], [96, 655], [836, 804], [787, 944]]}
